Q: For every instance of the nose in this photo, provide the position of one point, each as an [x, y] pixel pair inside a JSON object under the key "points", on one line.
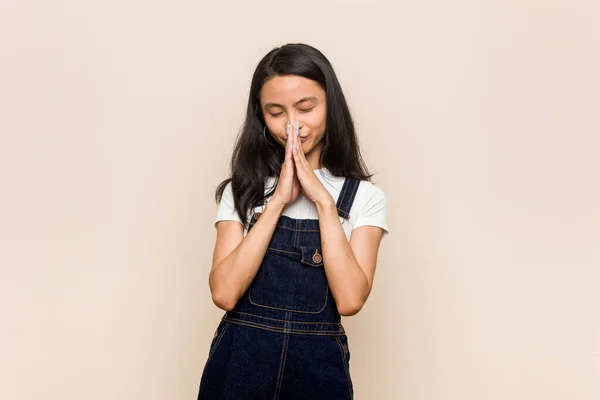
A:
{"points": [[293, 123]]}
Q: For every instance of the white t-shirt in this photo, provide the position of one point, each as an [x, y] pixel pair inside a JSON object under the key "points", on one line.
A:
{"points": [[369, 207]]}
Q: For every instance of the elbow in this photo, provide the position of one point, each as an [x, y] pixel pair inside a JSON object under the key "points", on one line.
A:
{"points": [[348, 309], [223, 301], [221, 297]]}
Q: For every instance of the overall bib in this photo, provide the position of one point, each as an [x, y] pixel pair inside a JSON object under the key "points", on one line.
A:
{"points": [[284, 338]]}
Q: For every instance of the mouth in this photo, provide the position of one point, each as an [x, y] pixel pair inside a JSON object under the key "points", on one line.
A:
{"points": [[303, 138]]}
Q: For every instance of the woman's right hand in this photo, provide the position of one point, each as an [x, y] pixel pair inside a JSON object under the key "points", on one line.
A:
{"points": [[288, 187]]}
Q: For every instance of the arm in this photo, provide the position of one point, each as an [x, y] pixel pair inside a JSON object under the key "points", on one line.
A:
{"points": [[236, 259], [349, 266]]}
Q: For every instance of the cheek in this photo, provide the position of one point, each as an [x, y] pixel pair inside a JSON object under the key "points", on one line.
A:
{"points": [[275, 125], [317, 121]]}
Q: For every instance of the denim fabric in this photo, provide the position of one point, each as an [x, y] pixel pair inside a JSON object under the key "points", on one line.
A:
{"points": [[284, 339]]}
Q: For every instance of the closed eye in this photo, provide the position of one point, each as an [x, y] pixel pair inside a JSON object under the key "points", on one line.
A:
{"points": [[306, 110], [276, 114]]}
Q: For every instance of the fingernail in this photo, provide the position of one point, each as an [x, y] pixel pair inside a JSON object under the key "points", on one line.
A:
{"points": [[297, 128], [287, 129]]}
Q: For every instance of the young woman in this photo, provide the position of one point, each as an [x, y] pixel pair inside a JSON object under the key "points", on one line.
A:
{"points": [[298, 231]]}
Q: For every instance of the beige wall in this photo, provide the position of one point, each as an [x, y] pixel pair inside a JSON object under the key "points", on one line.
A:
{"points": [[117, 119]]}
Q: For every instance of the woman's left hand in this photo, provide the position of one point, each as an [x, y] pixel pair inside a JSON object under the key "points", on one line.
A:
{"points": [[312, 187]]}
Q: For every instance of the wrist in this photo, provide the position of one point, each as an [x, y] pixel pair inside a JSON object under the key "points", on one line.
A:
{"points": [[325, 203], [276, 205]]}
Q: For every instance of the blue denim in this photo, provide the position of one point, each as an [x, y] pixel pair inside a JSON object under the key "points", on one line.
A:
{"points": [[284, 338]]}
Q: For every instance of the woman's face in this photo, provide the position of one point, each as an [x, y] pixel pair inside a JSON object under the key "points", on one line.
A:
{"points": [[290, 98]]}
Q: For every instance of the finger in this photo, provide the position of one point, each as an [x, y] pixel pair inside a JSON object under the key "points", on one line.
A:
{"points": [[289, 143], [288, 152], [299, 153], [297, 157], [288, 136], [297, 144], [294, 146], [292, 136]]}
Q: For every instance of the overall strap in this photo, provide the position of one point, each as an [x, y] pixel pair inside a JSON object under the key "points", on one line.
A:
{"points": [[347, 195], [256, 215]]}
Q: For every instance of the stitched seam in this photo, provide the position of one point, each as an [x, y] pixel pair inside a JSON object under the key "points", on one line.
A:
{"points": [[343, 213], [286, 340], [345, 361], [282, 330], [285, 309], [298, 230], [283, 320], [311, 264], [296, 235], [218, 341], [258, 324], [289, 309], [352, 195], [326, 298], [343, 193], [283, 251]]}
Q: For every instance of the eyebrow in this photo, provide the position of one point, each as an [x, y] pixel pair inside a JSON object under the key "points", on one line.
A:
{"points": [[302, 100]]}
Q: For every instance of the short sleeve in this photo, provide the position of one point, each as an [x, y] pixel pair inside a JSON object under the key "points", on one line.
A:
{"points": [[226, 211], [374, 210]]}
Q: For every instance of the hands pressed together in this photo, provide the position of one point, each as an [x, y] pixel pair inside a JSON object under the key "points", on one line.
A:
{"points": [[297, 174]]}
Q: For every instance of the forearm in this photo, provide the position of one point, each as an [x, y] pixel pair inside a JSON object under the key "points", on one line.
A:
{"points": [[348, 283], [230, 279]]}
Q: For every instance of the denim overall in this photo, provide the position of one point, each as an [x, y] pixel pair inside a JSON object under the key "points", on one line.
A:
{"points": [[284, 338]]}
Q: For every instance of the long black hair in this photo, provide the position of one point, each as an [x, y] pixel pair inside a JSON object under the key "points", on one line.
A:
{"points": [[254, 159]]}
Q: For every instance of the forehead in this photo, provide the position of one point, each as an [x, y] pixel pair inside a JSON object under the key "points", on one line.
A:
{"points": [[289, 89]]}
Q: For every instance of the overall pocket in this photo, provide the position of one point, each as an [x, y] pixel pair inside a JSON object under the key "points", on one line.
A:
{"points": [[292, 279]]}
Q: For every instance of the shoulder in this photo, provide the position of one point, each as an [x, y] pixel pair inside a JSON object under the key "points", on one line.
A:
{"points": [[227, 195], [369, 192], [226, 210], [370, 206]]}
